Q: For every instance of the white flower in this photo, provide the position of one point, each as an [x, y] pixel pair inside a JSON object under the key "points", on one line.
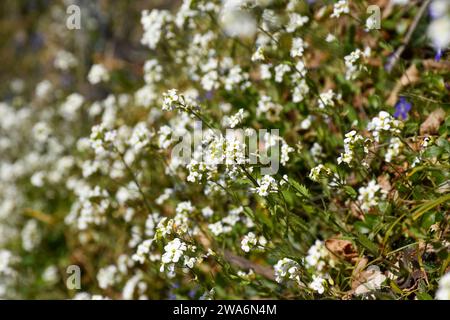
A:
{"points": [[374, 280], [97, 74], [50, 274], [258, 55], [207, 212], [65, 60], [43, 89], [268, 108], [439, 33], [394, 149], [319, 172], [265, 71], [285, 150], [286, 269], [443, 292], [327, 99], [236, 22], [351, 142], [71, 105], [306, 123], [353, 63], [318, 284], [174, 250], [384, 123], [41, 131], [316, 152], [164, 196], [330, 38], [251, 241], [370, 196]]}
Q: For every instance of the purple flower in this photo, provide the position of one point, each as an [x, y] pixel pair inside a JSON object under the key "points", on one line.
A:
{"points": [[402, 108], [438, 55]]}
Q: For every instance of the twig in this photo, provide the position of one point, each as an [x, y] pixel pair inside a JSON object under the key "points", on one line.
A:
{"points": [[244, 263], [396, 55]]}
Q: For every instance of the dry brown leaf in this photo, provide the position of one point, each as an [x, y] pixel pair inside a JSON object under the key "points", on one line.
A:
{"points": [[356, 274], [342, 249], [432, 123], [411, 76], [384, 182], [433, 64]]}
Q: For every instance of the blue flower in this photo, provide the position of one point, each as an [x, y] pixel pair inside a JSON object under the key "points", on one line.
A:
{"points": [[402, 108]]}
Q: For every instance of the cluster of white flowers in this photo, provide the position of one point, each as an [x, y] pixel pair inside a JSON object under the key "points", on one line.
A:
{"points": [[97, 74], [43, 89], [317, 257], [65, 60], [31, 235], [153, 22], [70, 107], [318, 172], [280, 71], [287, 269], [267, 184], [107, 276], [174, 252], [300, 91], [7, 260], [296, 21], [353, 63], [327, 99], [140, 137], [298, 47], [234, 120], [316, 152], [351, 142], [226, 224], [101, 139], [371, 195], [251, 241], [339, 8], [171, 100], [318, 284], [394, 149], [384, 123], [268, 108], [152, 71]]}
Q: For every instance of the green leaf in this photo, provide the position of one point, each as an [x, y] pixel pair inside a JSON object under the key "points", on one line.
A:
{"points": [[429, 205], [367, 243], [350, 191], [423, 296], [301, 189]]}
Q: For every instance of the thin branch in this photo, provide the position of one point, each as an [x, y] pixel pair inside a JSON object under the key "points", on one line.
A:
{"points": [[396, 55]]}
